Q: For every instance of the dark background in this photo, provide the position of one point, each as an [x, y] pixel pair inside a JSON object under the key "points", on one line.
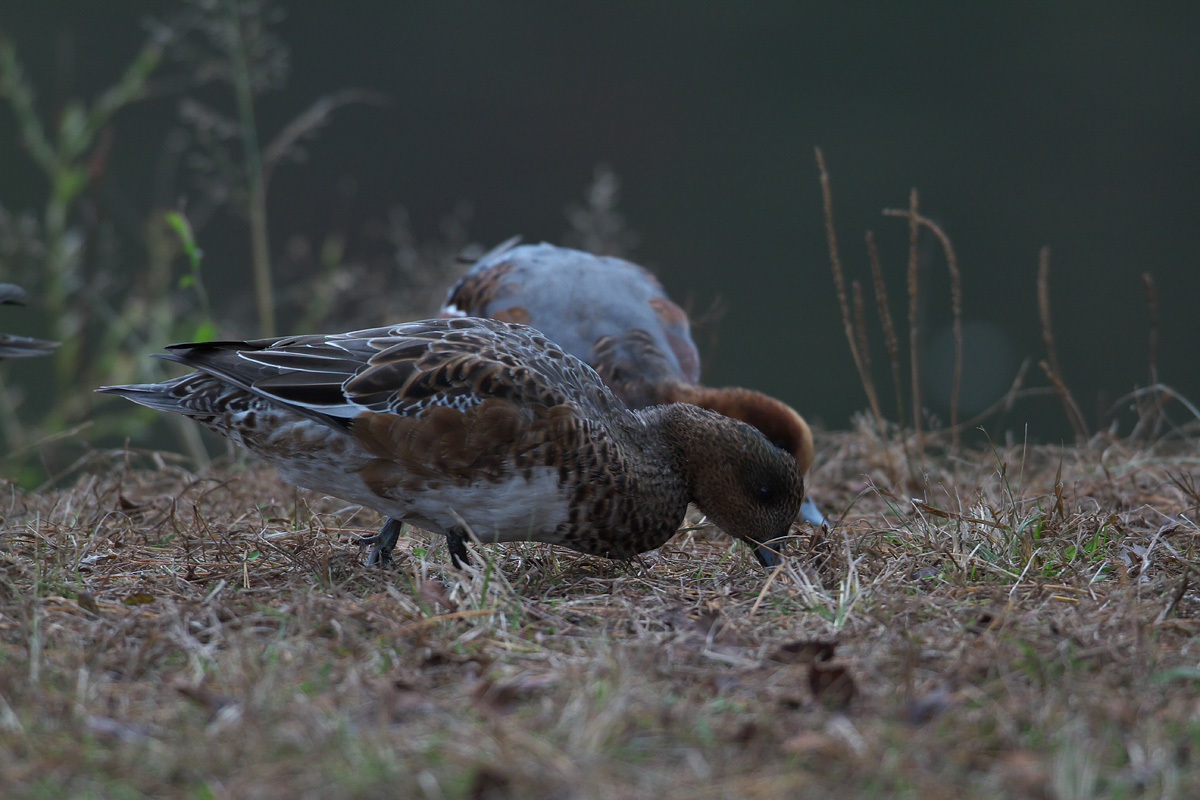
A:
{"points": [[1073, 125]]}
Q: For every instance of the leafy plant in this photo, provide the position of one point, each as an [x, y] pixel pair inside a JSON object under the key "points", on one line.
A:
{"points": [[108, 315]]}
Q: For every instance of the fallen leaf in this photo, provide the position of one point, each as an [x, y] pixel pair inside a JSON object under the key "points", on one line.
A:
{"points": [[812, 743], [832, 685], [434, 593], [138, 599], [87, 601], [203, 697], [1025, 772], [984, 622], [804, 651], [107, 726], [929, 705], [489, 783], [497, 698], [925, 573], [127, 505]]}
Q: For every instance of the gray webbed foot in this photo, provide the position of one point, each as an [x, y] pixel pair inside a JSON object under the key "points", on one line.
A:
{"points": [[383, 542]]}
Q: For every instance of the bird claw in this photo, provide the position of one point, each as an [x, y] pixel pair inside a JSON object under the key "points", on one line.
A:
{"points": [[383, 543]]}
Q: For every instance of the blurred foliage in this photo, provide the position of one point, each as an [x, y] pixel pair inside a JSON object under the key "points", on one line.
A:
{"points": [[118, 275], [114, 295]]}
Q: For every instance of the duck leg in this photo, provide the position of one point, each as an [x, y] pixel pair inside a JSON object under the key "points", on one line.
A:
{"points": [[456, 542], [384, 542]]}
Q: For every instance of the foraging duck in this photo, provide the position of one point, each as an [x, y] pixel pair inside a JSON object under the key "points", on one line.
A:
{"points": [[485, 429], [20, 346], [615, 316]]}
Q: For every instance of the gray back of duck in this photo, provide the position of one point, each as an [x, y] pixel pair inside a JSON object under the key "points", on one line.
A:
{"points": [[609, 312]]}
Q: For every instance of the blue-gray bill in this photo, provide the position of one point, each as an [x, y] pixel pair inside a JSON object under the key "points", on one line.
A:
{"points": [[769, 555], [810, 513]]}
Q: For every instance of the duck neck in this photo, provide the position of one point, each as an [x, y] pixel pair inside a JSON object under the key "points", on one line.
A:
{"points": [[684, 433], [778, 421], [658, 466]]}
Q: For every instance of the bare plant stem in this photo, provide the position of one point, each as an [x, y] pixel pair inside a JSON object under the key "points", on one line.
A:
{"points": [[1005, 403], [839, 284], [913, 310], [914, 230], [1152, 306], [917, 221], [1043, 289], [257, 211], [889, 336], [1064, 394], [956, 295], [1150, 414], [1050, 366], [860, 329]]}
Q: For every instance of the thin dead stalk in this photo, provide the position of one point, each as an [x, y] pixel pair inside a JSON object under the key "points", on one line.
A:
{"points": [[1064, 394], [860, 329], [255, 177], [1050, 365], [1150, 414], [1158, 395], [839, 284], [914, 229], [1043, 287], [891, 343], [916, 221], [1004, 404], [888, 324], [307, 123], [956, 301], [1152, 306]]}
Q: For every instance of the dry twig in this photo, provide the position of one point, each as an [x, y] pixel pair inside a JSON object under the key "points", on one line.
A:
{"points": [[1050, 366], [839, 285]]}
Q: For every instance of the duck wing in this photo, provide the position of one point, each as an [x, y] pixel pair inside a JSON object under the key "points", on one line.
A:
{"points": [[402, 369]]}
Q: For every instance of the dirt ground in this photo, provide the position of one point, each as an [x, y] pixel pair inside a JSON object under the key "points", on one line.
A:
{"points": [[1018, 622]]}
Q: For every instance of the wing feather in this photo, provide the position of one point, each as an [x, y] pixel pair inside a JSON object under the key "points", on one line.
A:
{"points": [[404, 369]]}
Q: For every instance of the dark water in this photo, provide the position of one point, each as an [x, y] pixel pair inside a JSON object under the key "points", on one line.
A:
{"points": [[1073, 125]]}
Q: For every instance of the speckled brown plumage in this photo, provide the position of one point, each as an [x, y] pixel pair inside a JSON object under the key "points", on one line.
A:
{"points": [[485, 428], [614, 315]]}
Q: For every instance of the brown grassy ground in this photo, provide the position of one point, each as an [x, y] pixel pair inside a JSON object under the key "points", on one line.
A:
{"points": [[168, 634]]}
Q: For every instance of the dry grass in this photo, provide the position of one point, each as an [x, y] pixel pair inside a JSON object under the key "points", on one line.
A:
{"points": [[1025, 627], [1028, 630]]}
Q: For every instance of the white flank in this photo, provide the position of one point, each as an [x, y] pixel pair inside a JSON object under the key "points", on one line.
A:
{"points": [[512, 510], [327, 460]]}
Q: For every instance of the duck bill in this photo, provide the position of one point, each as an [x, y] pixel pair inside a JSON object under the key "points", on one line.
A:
{"points": [[810, 513], [769, 555]]}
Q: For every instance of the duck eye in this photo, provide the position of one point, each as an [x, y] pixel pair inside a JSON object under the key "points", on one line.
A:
{"points": [[762, 488]]}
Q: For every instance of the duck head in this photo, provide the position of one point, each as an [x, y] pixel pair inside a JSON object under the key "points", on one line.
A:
{"points": [[741, 481]]}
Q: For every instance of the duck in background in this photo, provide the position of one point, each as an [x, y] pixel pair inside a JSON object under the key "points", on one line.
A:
{"points": [[485, 430], [614, 315], [20, 346]]}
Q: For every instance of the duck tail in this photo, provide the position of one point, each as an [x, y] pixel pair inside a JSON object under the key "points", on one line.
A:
{"points": [[159, 396]]}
